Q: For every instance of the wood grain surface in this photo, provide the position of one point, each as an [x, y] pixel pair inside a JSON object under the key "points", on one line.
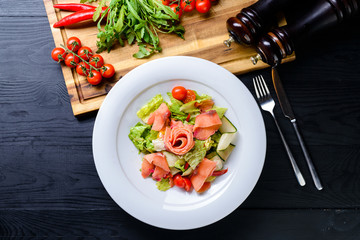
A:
{"points": [[204, 38], [49, 187]]}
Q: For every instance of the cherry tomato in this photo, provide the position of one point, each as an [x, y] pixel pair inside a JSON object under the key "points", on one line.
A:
{"points": [[187, 5], [94, 77], [175, 7], [179, 181], [190, 96], [58, 54], [73, 44], [107, 71], [96, 61], [166, 2], [187, 183], [179, 93], [71, 60], [85, 53], [203, 6], [83, 69]]}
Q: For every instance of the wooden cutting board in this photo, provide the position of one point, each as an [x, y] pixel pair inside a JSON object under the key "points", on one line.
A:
{"points": [[204, 38]]}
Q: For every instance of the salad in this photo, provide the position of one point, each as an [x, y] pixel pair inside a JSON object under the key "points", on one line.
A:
{"points": [[185, 141]]}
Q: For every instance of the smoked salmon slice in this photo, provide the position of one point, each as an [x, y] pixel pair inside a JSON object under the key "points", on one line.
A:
{"points": [[178, 138], [146, 168], [205, 169], [159, 173], [155, 163], [206, 124], [204, 105], [159, 117]]}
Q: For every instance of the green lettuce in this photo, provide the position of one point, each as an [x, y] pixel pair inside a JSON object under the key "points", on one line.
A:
{"points": [[142, 135], [219, 110], [197, 154], [150, 107], [163, 184], [180, 164], [174, 108]]}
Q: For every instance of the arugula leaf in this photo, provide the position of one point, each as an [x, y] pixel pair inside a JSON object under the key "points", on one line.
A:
{"points": [[136, 20], [98, 10], [89, 1]]}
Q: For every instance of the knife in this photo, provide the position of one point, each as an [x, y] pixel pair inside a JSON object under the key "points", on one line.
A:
{"points": [[288, 112]]}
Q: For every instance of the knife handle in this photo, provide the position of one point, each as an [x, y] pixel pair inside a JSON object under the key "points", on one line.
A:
{"points": [[309, 162], [281, 42], [294, 165]]}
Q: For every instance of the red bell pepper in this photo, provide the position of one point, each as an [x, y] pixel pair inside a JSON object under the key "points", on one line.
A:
{"points": [[77, 17], [74, 7], [220, 172]]}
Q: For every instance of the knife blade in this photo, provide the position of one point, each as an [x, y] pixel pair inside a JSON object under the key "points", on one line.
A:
{"points": [[288, 112], [280, 92]]}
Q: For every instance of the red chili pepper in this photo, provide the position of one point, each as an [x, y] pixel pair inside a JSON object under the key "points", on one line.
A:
{"points": [[74, 6], [186, 165], [219, 173], [77, 17]]}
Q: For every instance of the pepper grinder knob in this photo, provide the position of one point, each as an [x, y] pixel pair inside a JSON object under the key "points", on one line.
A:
{"points": [[229, 41], [255, 59]]}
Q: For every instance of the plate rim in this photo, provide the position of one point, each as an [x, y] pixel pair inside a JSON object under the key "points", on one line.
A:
{"points": [[122, 82]]}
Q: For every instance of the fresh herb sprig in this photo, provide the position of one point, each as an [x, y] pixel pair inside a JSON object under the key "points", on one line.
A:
{"points": [[136, 21]]}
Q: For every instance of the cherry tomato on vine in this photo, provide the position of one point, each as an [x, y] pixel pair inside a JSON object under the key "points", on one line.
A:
{"points": [[203, 6], [96, 61], [190, 96], [179, 93], [175, 7], [85, 53], [73, 44], [107, 71], [71, 60], [83, 69], [187, 5], [58, 54], [94, 77], [166, 2]]}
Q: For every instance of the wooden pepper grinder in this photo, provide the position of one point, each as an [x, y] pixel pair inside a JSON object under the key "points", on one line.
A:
{"points": [[254, 21], [280, 42]]}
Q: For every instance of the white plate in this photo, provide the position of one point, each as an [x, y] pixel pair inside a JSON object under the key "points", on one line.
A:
{"points": [[118, 162]]}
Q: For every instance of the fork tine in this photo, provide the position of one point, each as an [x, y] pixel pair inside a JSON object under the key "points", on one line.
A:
{"points": [[256, 89], [266, 88], [259, 87], [261, 83]]}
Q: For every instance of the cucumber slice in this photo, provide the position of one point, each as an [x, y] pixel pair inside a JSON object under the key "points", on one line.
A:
{"points": [[211, 155], [227, 126], [224, 154], [219, 162], [225, 140], [228, 131]]}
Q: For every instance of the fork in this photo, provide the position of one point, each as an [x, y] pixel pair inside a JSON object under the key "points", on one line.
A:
{"points": [[267, 104]]}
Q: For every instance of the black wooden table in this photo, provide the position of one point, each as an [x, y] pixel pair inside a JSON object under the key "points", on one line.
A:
{"points": [[49, 187]]}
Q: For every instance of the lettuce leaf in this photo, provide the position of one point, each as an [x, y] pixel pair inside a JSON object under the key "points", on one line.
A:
{"points": [[219, 110], [142, 135], [174, 108], [145, 111], [163, 184], [196, 155]]}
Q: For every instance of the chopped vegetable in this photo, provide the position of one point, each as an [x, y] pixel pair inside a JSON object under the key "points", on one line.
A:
{"points": [[175, 155], [150, 107], [136, 21], [74, 7]]}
